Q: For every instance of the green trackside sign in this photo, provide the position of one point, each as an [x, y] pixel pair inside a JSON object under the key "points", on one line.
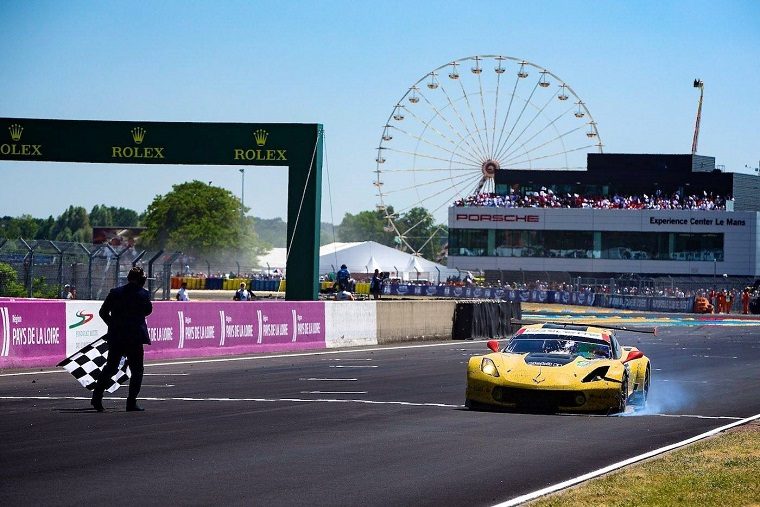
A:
{"points": [[295, 145]]}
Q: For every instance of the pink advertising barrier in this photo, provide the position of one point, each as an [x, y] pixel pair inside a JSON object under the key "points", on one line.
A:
{"points": [[35, 333], [213, 328]]}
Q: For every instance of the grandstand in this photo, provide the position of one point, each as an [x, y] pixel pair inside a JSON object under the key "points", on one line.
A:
{"points": [[650, 215]]}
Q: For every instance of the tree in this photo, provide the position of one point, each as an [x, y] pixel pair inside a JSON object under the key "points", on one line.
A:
{"points": [[24, 226], [274, 232], [9, 285], [72, 225], [366, 226], [105, 216], [200, 220]]}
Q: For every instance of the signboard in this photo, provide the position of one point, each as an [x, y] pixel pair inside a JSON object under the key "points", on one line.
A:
{"points": [[295, 145]]}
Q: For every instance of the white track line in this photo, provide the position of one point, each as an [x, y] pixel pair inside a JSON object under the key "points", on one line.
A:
{"points": [[330, 379], [353, 366], [340, 359], [327, 400], [333, 392], [263, 400], [258, 358], [620, 464]]}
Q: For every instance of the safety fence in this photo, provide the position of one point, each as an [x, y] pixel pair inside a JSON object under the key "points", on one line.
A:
{"points": [[44, 268]]}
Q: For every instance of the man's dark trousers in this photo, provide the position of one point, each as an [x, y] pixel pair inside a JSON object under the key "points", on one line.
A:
{"points": [[134, 354]]}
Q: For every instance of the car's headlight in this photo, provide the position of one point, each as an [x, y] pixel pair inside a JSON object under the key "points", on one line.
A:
{"points": [[488, 367]]}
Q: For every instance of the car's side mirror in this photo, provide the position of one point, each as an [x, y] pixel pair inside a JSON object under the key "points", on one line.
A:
{"points": [[493, 345], [634, 354]]}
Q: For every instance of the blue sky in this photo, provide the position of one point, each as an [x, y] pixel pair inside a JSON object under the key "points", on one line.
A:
{"points": [[345, 65]]}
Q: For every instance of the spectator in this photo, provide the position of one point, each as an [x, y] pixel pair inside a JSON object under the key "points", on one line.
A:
{"points": [[546, 198], [343, 277], [182, 293], [376, 285], [243, 294]]}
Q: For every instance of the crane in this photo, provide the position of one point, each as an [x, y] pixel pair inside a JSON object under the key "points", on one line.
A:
{"points": [[698, 84]]}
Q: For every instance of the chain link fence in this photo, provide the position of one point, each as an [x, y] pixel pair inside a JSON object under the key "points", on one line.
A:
{"points": [[44, 268]]}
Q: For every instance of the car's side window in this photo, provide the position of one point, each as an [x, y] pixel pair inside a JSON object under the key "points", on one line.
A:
{"points": [[615, 347]]}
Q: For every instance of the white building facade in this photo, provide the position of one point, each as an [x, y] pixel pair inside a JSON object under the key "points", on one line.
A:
{"points": [[664, 242]]}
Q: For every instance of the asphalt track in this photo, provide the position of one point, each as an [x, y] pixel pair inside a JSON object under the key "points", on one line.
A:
{"points": [[382, 426]]}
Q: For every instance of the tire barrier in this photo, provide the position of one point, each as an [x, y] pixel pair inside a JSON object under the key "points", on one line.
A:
{"points": [[485, 319]]}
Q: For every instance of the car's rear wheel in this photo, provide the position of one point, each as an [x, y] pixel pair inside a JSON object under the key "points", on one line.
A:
{"points": [[623, 396], [641, 396]]}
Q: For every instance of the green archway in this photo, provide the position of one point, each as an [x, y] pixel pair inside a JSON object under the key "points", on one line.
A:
{"points": [[295, 145]]}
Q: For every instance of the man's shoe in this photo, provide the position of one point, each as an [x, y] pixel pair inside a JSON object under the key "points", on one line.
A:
{"points": [[97, 402], [134, 407]]}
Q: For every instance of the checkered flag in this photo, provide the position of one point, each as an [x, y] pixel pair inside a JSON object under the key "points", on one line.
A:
{"points": [[87, 363]]}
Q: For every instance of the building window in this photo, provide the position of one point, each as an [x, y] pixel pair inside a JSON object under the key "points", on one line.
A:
{"points": [[615, 245]]}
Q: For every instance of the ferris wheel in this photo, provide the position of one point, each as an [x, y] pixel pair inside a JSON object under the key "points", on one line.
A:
{"points": [[460, 124]]}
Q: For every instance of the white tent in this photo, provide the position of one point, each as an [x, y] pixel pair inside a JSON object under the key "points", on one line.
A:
{"points": [[362, 258], [372, 264]]}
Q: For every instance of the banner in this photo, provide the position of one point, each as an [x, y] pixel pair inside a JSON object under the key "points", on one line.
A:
{"points": [[186, 329], [523, 295], [42, 333], [32, 332], [647, 303], [83, 324]]}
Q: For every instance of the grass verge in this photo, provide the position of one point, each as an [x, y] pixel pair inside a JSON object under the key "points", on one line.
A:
{"points": [[720, 471]]}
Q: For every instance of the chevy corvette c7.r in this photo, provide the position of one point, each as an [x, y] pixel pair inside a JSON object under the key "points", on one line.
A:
{"points": [[559, 367]]}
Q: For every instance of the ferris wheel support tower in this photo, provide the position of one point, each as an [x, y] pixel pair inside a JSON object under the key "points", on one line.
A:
{"points": [[698, 84]]}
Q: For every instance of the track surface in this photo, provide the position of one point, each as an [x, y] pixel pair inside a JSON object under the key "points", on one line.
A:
{"points": [[286, 431]]}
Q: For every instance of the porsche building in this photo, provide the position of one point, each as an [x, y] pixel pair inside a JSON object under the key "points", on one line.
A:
{"points": [[581, 241]]}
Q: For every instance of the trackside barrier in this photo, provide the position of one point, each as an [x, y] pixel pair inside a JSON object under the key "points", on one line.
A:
{"points": [[42, 332], [414, 320], [35, 333], [350, 323]]}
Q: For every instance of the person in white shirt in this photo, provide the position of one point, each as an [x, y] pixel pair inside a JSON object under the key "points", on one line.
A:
{"points": [[182, 294]]}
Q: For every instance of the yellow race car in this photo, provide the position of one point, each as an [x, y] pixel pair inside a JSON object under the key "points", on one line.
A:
{"points": [[560, 367]]}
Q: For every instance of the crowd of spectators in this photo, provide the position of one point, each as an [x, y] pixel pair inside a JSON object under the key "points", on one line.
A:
{"points": [[548, 199]]}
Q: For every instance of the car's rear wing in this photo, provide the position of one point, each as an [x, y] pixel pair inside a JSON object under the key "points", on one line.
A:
{"points": [[522, 322]]}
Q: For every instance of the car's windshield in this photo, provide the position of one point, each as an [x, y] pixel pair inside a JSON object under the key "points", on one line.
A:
{"points": [[559, 344]]}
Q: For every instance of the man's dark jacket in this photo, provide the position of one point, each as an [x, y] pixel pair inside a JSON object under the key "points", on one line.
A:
{"points": [[124, 311]]}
